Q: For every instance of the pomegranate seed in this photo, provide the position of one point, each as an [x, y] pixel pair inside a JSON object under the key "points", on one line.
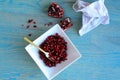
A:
{"points": [[29, 34], [30, 20], [34, 26], [27, 26], [56, 46], [48, 24], [34, 22]]}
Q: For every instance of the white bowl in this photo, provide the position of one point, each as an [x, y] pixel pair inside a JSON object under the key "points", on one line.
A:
{"points": [[51, 72]]}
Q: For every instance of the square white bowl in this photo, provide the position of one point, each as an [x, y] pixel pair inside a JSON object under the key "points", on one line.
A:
{"points": [[51, 72]]}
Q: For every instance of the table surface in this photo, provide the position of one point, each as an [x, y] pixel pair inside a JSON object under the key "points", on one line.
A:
{"points": [[100, 48]]}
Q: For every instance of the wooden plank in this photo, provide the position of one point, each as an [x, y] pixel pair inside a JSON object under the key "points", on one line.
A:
{"points": [[100, 48]]}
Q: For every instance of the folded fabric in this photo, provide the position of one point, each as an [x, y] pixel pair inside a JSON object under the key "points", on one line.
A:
{"points": [[94, 14]]}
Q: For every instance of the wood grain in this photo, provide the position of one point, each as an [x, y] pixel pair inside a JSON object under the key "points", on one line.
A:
{"points": [[100, 48]]}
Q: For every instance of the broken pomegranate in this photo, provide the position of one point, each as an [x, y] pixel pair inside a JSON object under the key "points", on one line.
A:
{"points": [[56, 46], [55, 10], [66, 23]]}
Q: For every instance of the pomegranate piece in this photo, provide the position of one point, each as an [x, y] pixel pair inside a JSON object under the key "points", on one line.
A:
{"points": [[55, 10], [66, 23], [56, 46]]}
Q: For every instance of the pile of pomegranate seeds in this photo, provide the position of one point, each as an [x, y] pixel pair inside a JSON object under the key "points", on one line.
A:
{"points": [[56, 46], [66, 23], [55, 10]]}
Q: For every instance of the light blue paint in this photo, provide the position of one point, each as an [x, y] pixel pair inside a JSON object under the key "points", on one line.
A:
{"points": [[100, 48]]}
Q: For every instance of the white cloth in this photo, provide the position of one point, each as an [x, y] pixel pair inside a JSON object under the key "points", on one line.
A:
{"points": [[94, 14]]}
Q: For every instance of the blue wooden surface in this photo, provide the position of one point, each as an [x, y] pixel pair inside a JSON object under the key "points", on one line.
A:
{"points": [[100, 48]]}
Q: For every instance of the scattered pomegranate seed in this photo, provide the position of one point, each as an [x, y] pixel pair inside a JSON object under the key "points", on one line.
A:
{"points": [[34, 26], [34, 22], [29, 34], [27, 26], [45, 24], [55, 10], [30, 20], [56, 46], [30, 23], [48, 24]]}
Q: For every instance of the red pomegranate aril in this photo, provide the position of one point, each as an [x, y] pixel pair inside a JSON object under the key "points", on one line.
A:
{"points": [[30, 20], [34, 22], [48, 24], [34, 26], [28, 26], [29, 34], [56, 46]]}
